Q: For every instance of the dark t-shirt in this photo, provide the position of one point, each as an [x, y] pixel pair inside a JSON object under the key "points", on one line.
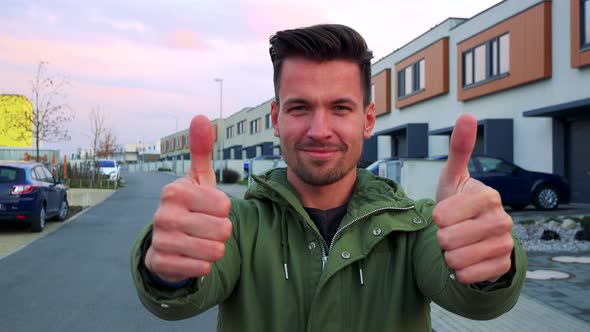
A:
{"points": [[327, 221]]}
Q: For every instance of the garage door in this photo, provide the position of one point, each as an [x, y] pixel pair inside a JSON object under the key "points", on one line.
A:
{"points": [[578, 160]]}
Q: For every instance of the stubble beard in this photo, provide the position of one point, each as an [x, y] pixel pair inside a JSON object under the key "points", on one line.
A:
{"points": [[313, 175]]}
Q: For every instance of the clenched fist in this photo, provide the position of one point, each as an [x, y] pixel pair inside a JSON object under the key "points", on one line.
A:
{"points": [[191, 224], [474, 230]]}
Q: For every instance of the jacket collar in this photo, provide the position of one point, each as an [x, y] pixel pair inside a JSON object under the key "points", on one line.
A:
{"points": [[370, 193]]}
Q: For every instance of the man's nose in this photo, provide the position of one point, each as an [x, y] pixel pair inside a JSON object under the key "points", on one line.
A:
{"points": [[319, 126]]}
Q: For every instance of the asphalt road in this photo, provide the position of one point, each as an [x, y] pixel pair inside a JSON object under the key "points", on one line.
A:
{"points": [[78, 279]]}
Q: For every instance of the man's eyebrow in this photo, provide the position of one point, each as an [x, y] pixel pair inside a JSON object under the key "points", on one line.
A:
{"points": [[344, 101], [295, 101]]}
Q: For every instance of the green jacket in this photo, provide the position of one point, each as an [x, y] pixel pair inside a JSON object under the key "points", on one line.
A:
{"points": [[380, 272]]}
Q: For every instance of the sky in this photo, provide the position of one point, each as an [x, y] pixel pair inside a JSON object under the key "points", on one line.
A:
{"points": [[150, 66]]}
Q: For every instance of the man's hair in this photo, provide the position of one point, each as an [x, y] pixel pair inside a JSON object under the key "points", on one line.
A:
{"points": [[322, 42]]}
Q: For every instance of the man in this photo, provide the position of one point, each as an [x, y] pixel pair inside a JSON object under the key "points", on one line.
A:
{"points": [[322, 245]]}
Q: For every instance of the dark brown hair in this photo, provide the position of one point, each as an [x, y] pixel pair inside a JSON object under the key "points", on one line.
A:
{"points": [[322, 43]]}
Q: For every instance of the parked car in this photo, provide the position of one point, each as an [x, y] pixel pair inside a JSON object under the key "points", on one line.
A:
{"points": [[30, 193], [109, 168], [374, 167], [517, 186], [274, 157]]}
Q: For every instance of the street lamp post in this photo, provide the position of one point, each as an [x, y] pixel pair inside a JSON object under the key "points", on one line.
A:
{"points": [[220, 129]]}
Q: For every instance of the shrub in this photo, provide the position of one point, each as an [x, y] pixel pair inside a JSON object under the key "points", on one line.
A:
{"points": [[229, 176], [164, 169]]}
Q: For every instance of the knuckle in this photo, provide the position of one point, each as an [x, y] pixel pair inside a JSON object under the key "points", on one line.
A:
{"points": [[218, 251], [451, 260], [463, 276], [226, 229], [169, 192], [493, 197], [203, 268], [506, 264], [508, 244], [443, 239], [158, 244], [436, 214], [506, 223]]}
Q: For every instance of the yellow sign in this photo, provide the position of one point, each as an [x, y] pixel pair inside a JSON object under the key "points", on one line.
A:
{"points": [[15, 124]]}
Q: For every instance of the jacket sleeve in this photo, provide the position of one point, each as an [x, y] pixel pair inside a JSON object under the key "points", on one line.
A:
{"points": [[198, 295], [436, 279]]}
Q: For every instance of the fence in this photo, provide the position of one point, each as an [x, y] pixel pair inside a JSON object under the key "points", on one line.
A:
{"points": [[181, 167]]}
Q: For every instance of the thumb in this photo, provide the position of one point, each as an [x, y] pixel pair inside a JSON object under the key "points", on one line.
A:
{"points": [[201, 146], [455, 173]]}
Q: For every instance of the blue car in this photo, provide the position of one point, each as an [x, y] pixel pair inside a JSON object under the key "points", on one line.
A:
{"points": [[517, 186], [30, 193]]}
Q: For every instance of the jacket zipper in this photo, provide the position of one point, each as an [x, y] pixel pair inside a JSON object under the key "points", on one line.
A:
{"points": [[362, 217], [320, 239]]}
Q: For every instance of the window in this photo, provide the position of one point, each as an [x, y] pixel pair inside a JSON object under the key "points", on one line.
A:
{"points": [[585, 12], [241, 126], [267, 123], [492, 165], [229, 132], [255, 126], [372, 93], [487, 61], [411, 79]]}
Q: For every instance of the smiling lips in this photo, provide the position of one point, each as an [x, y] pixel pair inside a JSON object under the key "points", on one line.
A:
{"points": [[320, 152]]}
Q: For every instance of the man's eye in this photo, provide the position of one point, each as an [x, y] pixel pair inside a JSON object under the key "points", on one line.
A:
{"points": [[341, 108], [297, 108]]}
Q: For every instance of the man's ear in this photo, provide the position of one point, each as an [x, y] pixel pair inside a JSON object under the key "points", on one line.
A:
{"points": [[274, 116], [369, 121]]}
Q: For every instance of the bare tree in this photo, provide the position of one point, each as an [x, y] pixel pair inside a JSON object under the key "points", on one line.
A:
{"points": [[107, 144], [98, 129]]}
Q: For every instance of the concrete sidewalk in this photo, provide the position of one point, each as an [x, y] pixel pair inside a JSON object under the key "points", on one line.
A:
{"points": [[87, 197], [527, 315]]}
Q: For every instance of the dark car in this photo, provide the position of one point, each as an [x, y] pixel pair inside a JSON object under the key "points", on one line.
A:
{"points": [[517, 186], [30, 193]]}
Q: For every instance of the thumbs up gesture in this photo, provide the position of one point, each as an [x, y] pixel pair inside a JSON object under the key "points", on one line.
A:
{"points": [[191, 224], [474, 230]]}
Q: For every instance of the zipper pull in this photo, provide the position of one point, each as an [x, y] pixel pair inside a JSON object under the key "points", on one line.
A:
{"points": [[324, 261]]}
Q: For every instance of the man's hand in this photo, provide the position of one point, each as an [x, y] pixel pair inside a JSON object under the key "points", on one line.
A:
{"points": [[191, 224], [474, 230]]}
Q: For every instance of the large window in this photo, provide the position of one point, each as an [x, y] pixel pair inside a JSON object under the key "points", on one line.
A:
{"points": [[229, 132], [255, 126], [585, 12], [410, 80], [267, 122], [487, 61], [241, 127]]}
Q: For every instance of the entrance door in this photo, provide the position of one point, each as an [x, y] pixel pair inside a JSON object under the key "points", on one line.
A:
{"points": [[578, 160]]}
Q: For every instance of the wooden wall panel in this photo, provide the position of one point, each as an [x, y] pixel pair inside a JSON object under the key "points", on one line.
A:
{"points": [[530, 51], [382, 83], [436, 63], [578, 58]]}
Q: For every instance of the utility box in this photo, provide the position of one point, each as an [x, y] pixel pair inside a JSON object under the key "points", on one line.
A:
{"points": [[418, 177]]}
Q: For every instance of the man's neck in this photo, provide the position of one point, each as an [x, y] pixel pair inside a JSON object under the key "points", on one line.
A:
{"points": [[324, 197]]}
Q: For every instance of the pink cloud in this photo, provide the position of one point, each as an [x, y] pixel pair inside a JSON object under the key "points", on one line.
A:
{"points": [[266, 17], [185, 39]]}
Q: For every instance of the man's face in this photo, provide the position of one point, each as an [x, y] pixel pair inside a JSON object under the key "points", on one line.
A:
{"points": [[320, 120]]}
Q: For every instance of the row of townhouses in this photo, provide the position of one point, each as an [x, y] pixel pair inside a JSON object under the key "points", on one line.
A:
{"points": [[522, 67]]}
